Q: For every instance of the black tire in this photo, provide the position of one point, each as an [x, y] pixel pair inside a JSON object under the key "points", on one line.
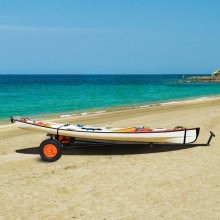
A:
{"points": [[50, 150]]}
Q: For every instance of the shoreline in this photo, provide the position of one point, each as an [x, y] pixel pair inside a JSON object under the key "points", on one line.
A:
{"points": [[111, 110]]}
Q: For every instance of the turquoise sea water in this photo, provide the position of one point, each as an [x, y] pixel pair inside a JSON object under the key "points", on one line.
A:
{"points": [[29, 95]]}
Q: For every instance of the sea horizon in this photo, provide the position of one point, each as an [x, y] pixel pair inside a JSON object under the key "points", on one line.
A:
{"points": [[100, 74]]}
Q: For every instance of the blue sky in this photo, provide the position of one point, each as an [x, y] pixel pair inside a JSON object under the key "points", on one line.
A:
{"points": [[81, 36]]}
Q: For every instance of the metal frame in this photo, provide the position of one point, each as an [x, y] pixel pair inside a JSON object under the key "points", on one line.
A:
{"points": [[210, 138]]}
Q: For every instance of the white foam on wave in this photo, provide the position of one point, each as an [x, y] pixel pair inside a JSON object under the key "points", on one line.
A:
{"points": [[202, 98], [99, 112], [144, 106], [189, 100], [65, 116], [84, 113], [169, 103]]}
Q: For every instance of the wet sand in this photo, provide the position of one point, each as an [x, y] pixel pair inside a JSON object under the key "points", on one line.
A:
{"points": [[116, 182]]}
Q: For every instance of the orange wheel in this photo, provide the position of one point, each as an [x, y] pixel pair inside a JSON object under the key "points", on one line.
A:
{"points": [[50, 150]]}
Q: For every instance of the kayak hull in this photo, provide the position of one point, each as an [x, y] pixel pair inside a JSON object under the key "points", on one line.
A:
{"points": [[181, 136]]}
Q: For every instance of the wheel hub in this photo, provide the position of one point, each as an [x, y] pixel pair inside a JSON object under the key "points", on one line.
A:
{"points": [[50, 150]]}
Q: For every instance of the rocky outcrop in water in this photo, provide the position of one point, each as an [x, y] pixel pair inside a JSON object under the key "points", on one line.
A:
{"points": [[215, 77], [216, 74]]}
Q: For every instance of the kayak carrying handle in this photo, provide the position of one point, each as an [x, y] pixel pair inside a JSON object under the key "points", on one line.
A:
{"points": [[61, 127], [210, 138]]}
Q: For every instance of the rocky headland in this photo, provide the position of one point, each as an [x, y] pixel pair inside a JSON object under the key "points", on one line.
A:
{"points": [[214, 77]]}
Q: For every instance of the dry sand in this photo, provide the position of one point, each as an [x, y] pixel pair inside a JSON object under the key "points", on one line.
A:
{"points": [[132, 182]]}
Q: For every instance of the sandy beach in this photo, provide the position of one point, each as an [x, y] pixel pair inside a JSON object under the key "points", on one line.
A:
{"points": [[119, 182]]}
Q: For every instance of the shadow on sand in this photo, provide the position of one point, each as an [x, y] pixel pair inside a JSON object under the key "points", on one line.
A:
{"points": [[115, 149]]}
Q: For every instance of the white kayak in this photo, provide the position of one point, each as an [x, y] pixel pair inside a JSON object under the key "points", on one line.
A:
{"points": [[133, 134]]}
